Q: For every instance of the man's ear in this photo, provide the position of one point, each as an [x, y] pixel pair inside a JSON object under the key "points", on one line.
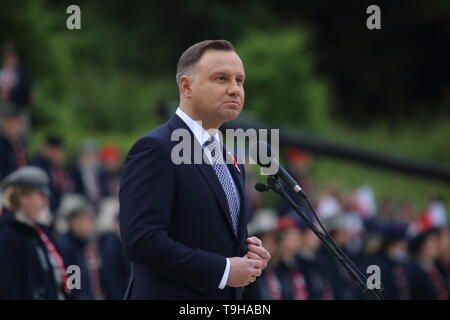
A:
{"points": [[186, 86]]}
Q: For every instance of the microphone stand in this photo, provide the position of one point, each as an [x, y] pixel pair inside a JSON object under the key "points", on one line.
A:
{"points": [[327, 241]]}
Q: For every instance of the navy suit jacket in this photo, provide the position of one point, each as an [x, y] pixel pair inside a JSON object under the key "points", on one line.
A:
{"points": [[175, 221]]}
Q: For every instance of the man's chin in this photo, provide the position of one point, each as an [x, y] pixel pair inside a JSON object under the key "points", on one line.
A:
{"points": [[231, 114]]}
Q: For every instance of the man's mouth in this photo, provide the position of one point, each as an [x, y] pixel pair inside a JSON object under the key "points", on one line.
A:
{"points": [[233, 102]]}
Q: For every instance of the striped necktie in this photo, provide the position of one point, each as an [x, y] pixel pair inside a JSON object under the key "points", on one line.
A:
{"points": [[225, 179]]}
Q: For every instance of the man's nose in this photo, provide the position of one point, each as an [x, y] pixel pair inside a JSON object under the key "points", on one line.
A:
{"points": [[234, 89]]}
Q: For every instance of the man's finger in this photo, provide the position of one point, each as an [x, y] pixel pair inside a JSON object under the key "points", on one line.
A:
{"points": [[255, 241], [252, 255], [261, 251], [256, 263], [256, 272]]}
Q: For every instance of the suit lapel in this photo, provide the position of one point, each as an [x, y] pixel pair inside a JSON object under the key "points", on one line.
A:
{"points": [[206, 170]]}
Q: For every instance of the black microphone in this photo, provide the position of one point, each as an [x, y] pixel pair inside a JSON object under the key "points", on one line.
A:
{"points": [[263, 150], [261, 187]]}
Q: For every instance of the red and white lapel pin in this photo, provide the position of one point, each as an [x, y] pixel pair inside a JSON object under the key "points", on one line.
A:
{"points": [[234, 161]]}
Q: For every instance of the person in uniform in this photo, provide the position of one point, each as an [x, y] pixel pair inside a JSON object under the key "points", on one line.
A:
{"points": [[115, 269], [268, 285], [392, 259], [427, 283], [78, 248], [317, 284], [293, 283], [342, 285], [51, 159], [11, 139], [30, 265]]}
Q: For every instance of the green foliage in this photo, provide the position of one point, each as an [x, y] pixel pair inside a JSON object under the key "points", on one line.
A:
{"points": [[429, 145], [386, 184], [104, 81], [118, 102], [281, 84]]}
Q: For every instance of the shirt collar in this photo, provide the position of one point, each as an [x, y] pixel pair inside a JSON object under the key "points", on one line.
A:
{"points": [[199, 132], [22, 218]]}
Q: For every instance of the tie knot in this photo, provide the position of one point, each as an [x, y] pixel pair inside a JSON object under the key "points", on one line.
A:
{"points": [[210, 142], [213, 146]]}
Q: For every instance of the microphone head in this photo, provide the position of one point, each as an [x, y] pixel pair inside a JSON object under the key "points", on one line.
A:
{"points": [[261, 187], [262, 154]]}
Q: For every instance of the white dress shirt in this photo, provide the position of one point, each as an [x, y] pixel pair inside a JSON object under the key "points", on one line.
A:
{"points": [[202, 136]]}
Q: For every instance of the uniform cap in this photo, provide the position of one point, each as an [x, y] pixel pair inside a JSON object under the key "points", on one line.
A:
{"points": [[27, 177]]}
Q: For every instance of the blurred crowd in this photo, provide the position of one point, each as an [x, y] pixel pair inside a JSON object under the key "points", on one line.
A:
{"points": [[409, 245], [57, 213], [79, 214]]}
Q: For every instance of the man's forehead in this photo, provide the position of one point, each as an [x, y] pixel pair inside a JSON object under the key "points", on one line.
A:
{"points": [[217, 60]]}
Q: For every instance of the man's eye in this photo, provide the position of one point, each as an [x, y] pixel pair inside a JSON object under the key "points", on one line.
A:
{"points": [[221, 78]]}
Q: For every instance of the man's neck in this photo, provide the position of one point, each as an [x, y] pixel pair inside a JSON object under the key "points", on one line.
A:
{"points": [[207, 125], [24, 218]]}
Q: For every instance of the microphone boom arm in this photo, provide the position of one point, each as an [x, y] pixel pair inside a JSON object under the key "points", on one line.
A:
{"points": [[274, 184]]}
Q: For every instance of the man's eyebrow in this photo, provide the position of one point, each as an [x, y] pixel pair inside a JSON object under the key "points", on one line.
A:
{"points": [[242, 75]]}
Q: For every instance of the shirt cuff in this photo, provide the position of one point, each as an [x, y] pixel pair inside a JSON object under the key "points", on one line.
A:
{"points": [[225, 275]]}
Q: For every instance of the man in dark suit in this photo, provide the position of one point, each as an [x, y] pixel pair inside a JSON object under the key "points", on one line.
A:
{"points": [[184, 225]]}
